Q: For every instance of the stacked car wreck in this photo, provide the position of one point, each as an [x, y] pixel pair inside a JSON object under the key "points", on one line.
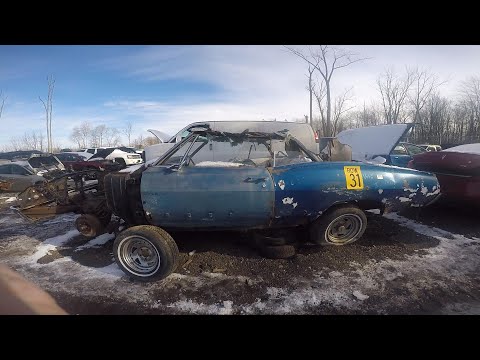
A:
{"points": [[266, 183]]}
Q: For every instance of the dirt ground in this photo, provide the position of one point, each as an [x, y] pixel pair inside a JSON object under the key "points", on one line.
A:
{"points": [[407, 263]]}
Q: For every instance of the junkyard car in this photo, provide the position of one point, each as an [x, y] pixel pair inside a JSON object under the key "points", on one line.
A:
{"points": [[264, 182], [16, 177], [457, 170], [46, 165], [75, 162], [121, 154]]}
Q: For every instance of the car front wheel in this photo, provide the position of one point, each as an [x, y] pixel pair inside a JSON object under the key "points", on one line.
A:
{"points": [[341, 226], [145, 253]]}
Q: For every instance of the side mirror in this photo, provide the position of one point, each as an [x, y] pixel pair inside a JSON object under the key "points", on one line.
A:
{"points": [[379, 160]]}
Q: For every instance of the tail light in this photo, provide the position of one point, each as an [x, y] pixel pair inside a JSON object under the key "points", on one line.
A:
{"points": [[410, 164]]}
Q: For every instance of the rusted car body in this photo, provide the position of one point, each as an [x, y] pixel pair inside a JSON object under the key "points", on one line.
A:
{"points": [[250, 181], [457, 171]]}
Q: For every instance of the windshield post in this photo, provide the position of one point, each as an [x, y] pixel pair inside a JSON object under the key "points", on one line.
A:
{"points": [[188, 151]]}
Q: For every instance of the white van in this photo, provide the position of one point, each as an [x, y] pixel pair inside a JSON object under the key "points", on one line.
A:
{"points": [[302, 131]]}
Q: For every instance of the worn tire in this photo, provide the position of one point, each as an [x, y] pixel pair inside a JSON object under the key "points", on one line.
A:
{"points": [[121, 161], [262, 240], [157, 246], [278, 251], [89, 225], [327, 230]]}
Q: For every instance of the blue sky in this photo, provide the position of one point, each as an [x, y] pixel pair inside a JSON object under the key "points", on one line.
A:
{"points": [[167, 87]]}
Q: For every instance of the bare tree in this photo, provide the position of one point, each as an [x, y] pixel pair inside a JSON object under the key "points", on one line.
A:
{"points": [[320, 93], [340, 108], [128, 131], [82, 134], [2, 102], [33, 140], [326, 60], [141, 141], [470, 91], [112, 137], [15, 144], [48, 105], [98, 136], [394, 91], [76, 137], [424, 84]]}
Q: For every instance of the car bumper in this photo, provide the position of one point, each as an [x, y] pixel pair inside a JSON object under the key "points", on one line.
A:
{"points": [[133, 161]]}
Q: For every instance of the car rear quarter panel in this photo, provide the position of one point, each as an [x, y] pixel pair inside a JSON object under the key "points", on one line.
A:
{"points": [[303, 192]]}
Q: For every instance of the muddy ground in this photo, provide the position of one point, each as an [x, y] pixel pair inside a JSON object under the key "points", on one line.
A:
{"points": [[407, 263]]}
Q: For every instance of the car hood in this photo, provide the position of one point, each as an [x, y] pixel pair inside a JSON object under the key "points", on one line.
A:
{"points": [[160, 135], [368, 142], [45, 163]]}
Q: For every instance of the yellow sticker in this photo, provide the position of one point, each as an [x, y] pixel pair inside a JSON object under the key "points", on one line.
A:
{"points": [[353, 177]]}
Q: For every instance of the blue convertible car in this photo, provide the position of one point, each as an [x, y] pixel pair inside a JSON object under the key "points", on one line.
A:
{"points": [[266, 182]]}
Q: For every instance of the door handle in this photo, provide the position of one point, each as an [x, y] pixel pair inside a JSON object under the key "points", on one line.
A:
{"points": [[256, 181]]}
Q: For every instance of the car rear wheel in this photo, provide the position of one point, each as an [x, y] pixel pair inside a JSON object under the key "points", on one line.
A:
{"points": [[341, 226], [146, 253], [121, 161]]}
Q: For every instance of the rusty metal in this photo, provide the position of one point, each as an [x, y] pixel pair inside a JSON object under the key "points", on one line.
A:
{"points": [[58, 196], [5, 185]]}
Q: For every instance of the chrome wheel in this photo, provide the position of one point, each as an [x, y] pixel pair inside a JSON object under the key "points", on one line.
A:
{"points": [[138, 255], [344, 229]]}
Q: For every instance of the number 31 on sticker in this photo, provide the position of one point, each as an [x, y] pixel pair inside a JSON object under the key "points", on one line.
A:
{"points": [[353, 177]]}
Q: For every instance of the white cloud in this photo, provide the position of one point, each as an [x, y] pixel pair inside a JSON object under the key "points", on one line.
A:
{"points": [[249, 82]]}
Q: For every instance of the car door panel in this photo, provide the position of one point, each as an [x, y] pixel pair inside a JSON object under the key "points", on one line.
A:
{"points": [[223, 197]]}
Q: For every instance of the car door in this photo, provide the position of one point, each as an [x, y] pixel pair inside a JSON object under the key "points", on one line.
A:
{"points": [[211, 192], [17, 176]]}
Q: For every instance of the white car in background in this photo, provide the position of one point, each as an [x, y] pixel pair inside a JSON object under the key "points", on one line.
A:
{"points": [[122, 155]]}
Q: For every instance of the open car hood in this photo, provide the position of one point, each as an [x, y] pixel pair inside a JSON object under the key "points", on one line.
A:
{"points": [[368, 142], [160, 135]]}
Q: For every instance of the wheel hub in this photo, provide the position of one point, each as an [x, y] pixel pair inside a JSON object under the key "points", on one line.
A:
{"points": [[139, 254], [343, 229]]}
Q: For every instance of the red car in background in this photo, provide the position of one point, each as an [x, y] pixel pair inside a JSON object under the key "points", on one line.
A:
{"points": [[457, 170], [77, 162]]}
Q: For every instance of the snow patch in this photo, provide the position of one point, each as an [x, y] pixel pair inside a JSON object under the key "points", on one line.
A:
{"points": [[51, 244], [225, 308], [360, 296], [10, 199], [96, 242]]}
